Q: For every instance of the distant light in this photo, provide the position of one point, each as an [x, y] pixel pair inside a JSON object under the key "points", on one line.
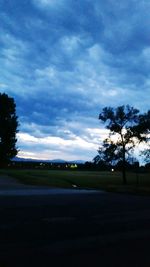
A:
{"points": [[74, 185], [112, 170], [73, 166]]}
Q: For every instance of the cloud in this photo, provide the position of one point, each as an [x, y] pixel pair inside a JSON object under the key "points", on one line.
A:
{"points": [[53, 147], [63, 61], [47, 3]]}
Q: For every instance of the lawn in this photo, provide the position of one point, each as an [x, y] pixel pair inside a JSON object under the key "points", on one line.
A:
{"points": [[110, 181]]}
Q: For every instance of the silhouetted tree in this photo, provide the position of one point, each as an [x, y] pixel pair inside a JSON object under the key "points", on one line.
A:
{"points": [[147, 154], [124, 133], [8, 129], [144, 128], [147, 166], [100, 161], [107, 154]]}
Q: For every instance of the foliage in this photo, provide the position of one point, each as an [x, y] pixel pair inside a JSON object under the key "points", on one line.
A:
{"points": [[144, 127], [8, 128], [146, 154], [126, 130]]}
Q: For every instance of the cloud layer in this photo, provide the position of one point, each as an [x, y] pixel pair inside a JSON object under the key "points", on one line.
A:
{"points": [[63, 61]]}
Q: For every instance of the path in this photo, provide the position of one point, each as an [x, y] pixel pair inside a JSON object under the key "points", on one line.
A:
{"points": [[74, 230], [11, 187]]}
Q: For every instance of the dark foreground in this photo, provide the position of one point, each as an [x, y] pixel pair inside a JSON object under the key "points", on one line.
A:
{"points": [[75, 230]]}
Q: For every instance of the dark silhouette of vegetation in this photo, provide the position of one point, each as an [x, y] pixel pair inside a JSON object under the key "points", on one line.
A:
{"points": [[127, 128], [147, 155], [8, 129], [144, 127]]}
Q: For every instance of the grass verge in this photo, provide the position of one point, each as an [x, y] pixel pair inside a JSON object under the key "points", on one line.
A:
{"points": [[109, 181]]}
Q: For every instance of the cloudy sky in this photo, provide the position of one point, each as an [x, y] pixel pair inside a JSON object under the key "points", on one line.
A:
{"points": [[63, 61]]}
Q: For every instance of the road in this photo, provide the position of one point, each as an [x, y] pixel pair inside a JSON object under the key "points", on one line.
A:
{"points": [[70, 229]]}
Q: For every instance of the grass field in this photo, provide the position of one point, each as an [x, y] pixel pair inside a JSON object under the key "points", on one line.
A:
{"points": [[110, 181]]}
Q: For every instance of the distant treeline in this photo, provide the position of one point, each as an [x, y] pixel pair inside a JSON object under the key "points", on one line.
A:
{"points": [[102, 166]]}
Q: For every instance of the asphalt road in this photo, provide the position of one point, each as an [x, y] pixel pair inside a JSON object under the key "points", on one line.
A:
{"points": [[86, 229]]}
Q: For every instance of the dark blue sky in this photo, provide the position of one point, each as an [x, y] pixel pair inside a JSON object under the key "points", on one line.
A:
{"points": [[63, 61]]}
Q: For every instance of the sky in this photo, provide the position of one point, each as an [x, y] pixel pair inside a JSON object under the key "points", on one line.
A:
{"points": [[63, 61]]}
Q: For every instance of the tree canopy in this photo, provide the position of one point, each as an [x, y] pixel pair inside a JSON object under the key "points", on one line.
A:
{"points": [[8, 128], [127, 128]]}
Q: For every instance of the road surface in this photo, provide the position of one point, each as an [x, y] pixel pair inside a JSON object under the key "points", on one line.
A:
{"points": [[70, 229]]}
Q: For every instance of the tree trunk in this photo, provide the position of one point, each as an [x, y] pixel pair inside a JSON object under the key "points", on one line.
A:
{"points": [[124, 167]]}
